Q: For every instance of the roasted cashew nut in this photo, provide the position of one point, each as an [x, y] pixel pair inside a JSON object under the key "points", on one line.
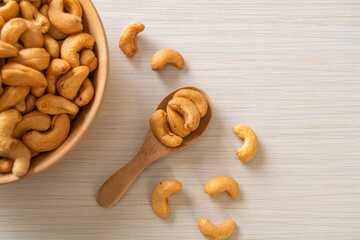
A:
{"points": [[127, 42], [7, 50], [53, 105], [32, 37], [57, 68], [36, 58], [222, 183], [21, 156], [66, 22], [188, 110], [6, 165], [219, 232], [12, 96], [196, 97], [73, 45], [36, 3], [176, 123], [86, 93], [68, 85], [16, 74], [12, 30], [32, 121], [52, 46], [8, 121], [88, 58], [29, 104], [53, 31], [160, 128], [31, 13], [20, 106], [9, 10], [52, 139], [249, 148], [160, 194], [165, 56]]}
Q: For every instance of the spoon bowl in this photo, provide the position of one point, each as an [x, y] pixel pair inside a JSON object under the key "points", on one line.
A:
{"points": [[152, 149]]}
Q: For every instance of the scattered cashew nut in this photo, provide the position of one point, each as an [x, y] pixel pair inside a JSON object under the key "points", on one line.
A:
{"points": [[196, 97], [219, 232], [222, 183], [127, 42], [249, 148], [68, 85], [188, 110], [160, 128], [160, 194], [16, 74], [165, 56], [53, 105], [32, 121]]}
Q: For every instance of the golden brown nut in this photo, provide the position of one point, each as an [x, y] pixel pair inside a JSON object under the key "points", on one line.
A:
{"points": [[29, 104], [188, 110], [57, 68], [9, 10], [21, 156], [6, 165], [8, 121], [12, 95], [68, 85], [32, 121], [32, 37], [12, 30], [165, 56], [53, 105], [127, 42], [7, 50], [36, 58], [16, 74], [219, 232], [160, 194], [176, 123], [31, 13], [88, 58], [249, 148], [67, 23], [52, 46], [196, 97], [86, 93], [222, 183], [53, 31]]}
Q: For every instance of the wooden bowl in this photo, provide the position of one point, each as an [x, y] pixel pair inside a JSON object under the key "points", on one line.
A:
{"points": [[87, 115]]}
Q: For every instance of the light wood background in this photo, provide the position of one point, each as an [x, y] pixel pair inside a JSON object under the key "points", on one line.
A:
{"points": [[289, 69]]}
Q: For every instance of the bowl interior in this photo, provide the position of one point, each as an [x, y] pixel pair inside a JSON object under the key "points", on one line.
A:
{"points": [[87, 115]]}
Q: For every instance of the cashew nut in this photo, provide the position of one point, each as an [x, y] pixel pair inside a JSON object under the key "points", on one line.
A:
{"points": [[32, 37], [73, 7], [197, 98], [160, 194], [88, 58], [86, 93], [9, 10], [38, 91], [57, 68], [8, 120], [20, 106], [7, 50], [165, 56], [6, 165], [52, 46], [127, 42], [68, 85], [53, 31], [29, 104], [36, 58], [68, 23], [12, 30], [74, 44], [36, 3], [50, 140], [12, 95], [162, 131], [31, 13], [219, 232], [188, 110], [176, 123], [53, 105], [21, 156], [222, 183], [32, 121], [249, 148], [16, 74]]}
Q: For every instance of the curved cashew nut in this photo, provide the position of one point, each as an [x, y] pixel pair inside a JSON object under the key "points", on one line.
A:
{"points": [[8, 121], [20, 106], [162, 131], [36, 58], [57, 68], [222, 183], [219, 232], [188, 110], [38, 91], [160, 194], [197, 98], [6, 165], [29, 104], [12, 30], [52, 139], [176, 123], [16, 74], [68, 85], [32, 37], [127, 42], [66, 22], [53, 31], [74, 44], [9, 10], [31, 13], [73, 7], [249, 148], [52, 46], [88, 58], [32, 121], [12, 95], [53, 105], [7, 50], [165, 56], [86, 93], [21, 156]]}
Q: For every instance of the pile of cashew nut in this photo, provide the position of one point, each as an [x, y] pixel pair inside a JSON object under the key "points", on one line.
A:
{"points": [[182, 116], [45, 61]]}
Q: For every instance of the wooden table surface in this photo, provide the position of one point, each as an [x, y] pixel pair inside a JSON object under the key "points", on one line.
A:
{"points": [[289, 69]]}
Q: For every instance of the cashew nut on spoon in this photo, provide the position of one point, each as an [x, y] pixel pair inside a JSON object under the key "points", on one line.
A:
{"points": [[249, 148], [187, 110], [219, 232]]}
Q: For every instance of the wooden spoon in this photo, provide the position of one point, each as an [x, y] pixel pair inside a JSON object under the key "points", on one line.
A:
{"points": [[116, 186]]}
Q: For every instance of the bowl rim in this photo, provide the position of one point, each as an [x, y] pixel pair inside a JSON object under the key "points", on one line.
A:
{"points": [[96, 105]]}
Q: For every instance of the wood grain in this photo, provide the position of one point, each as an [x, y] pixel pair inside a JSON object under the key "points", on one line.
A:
{"points": [[288, 69]]}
